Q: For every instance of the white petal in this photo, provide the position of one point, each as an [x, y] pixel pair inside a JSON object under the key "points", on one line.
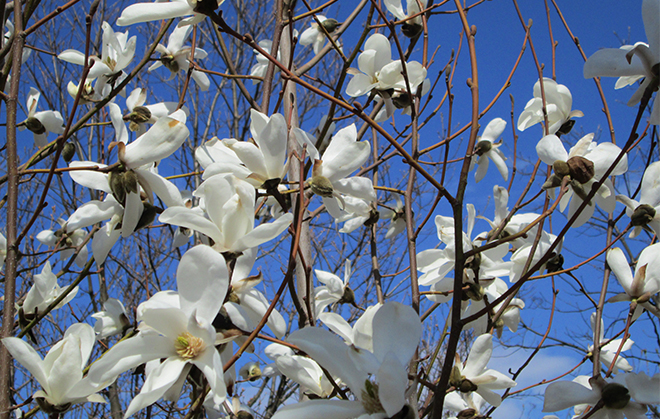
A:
{"points": [[392, 383], [551, 149], [144, 12], [202, 281], [157, 383], [396, 328], [90, 178], [328, 409], [564, 394], [162, 139]]}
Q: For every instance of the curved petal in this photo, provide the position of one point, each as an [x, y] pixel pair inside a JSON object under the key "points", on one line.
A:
{"points": [[263, 233], [358, 187], [479, 356], [156, 385], [162, 139], [202, 281], [612, 62], [396, 328], [392, 382], [144, 12], [328, 409], [564, 394], [345, 154], [28, 357], [550, 149], [185, 217], [90, 178]]}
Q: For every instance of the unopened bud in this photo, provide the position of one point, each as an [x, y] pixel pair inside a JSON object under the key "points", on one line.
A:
{"points": [[642, 215], [116, 181], [475, 291], [140, 115], [615, 396], [131, 182], [467, 386], [411, 30], [330, 25], [321, 186], [483, 146], [68, 151], [581, 169], [35, 125], [553, 181], [148, 215], [561, 168]]}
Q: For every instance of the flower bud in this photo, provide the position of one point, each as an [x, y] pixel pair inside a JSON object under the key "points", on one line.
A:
{"points": [[556, 263], [466, 414], [467, 386], [401, 100], [330, 25], [170, 63], [374, 216], [553, 181], [561, 168], [131, 182], [642, 215], [348, 297], [581, 169], [411, 30], [68, 151], [321, 186], [615, 396], [35, 125], [148, 215], [116, 181], [483, 146]]}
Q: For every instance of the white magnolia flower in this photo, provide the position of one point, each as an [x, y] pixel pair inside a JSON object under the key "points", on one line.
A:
{"points": [[260, 68], [330, 174], [246, 306], [646, 281], [522, 254], [264, 160], [10, 32], [558, 104], [412, 27], [145, 12], [112, 320], [380, 74], [301, 369], [140, 114], [474, 375], [397, 217], [585, 164], [610, 349], [117, 52], [646, 211], [396, 333], [178, 330], [124, 204], [41, 123], [229, 203], [60, 372], [616, 395], [68, 240], [315, 36], [334, 289], [175, 56], [356, 213], [44, 292], [486, 149], [633, 61]]}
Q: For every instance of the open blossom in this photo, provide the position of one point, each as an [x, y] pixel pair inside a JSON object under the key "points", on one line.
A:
{"points": [[558, 104], [473, 375], [411, 27], [610, 349], [177, 328], [112, 320], [139, 114], [334, 289], [378, 73], [487, 148], [396, 330], [645, 213], [646, 281], [315, 36], [175, 56], [625, 395], [60, 373], [397, 217], [69, 240], [41, 123], [585, 164], [44, 292], [145, 12], [229, 204], [117, 52], [633, 61]]}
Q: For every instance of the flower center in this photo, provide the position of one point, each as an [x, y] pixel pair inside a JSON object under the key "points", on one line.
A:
{"points": [[188, 346]]}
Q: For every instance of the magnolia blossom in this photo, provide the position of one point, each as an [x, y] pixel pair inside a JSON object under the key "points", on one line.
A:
{"points": [[334, 289], [646, 281], [301, 369], [610, 349], [41, 123], [60, 373], [229, 204], [315, 36], [411, 27], [396, 330], [175, 56], [246, 306], [44, 292], [585, 164], [357, 212], [616, 395], [515, 224], [140, 114], [117, 52], [145, 12], [633, 61], [330, 174], [645, 213], [474, 375], [112, 320], [69, 240], [378, 73], [487, 149], [558, 104], [397, 217], [178, 330]]}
